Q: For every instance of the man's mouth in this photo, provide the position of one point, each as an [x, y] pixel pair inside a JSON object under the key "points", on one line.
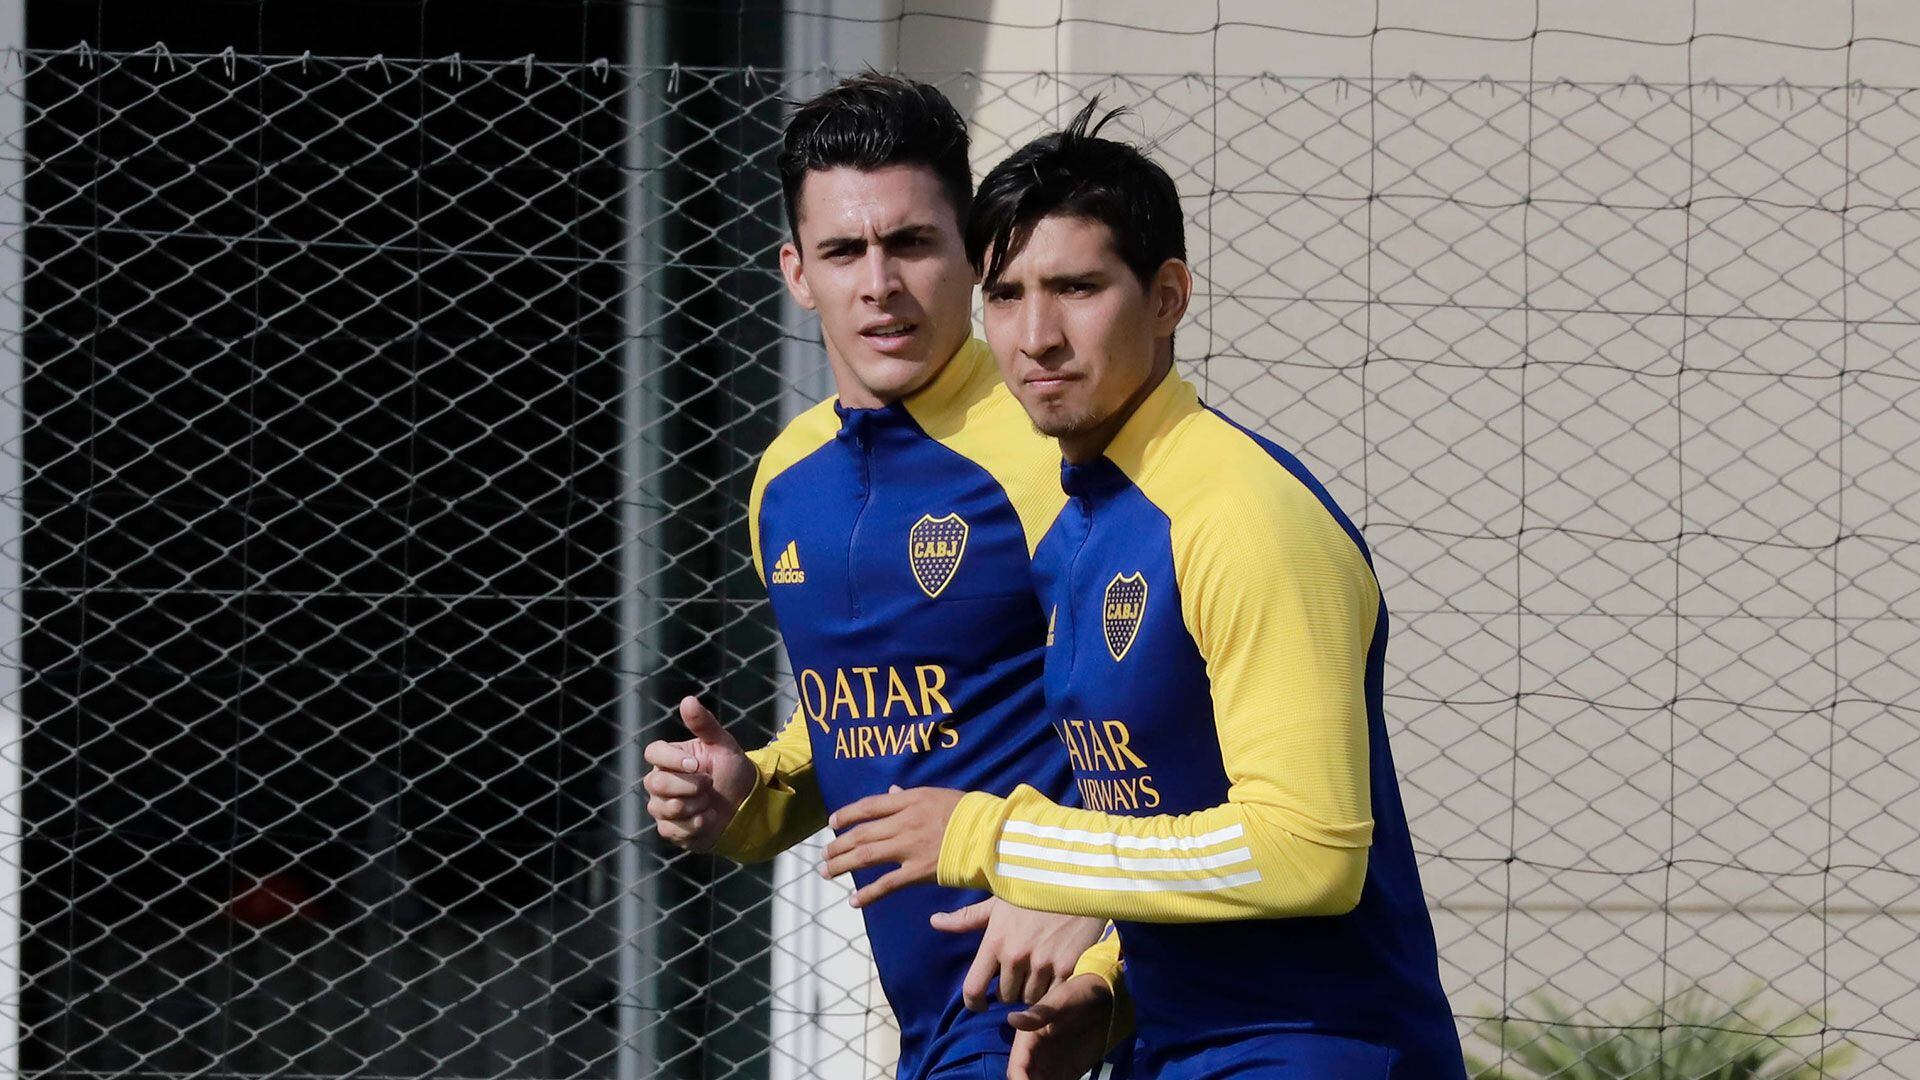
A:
{"points": [[893, 331]]}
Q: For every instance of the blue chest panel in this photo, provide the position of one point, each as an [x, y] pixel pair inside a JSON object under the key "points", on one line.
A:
{"points": [[1126, 682], [899, 573], [912, 626]]}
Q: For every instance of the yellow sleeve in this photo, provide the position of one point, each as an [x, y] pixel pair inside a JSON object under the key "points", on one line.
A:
{"points": [[1102, 959], [806, 433], [784, 806], [1103, 962], [1283, 607]]}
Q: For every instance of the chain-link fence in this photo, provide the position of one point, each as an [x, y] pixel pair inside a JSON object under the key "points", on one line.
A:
{"points": [[384, 431]]}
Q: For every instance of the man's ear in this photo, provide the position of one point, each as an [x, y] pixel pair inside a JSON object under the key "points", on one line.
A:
{"points": [[794, 273], [1171, 292]]}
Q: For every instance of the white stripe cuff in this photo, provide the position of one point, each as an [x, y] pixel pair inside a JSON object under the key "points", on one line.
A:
{"points": [[1164, 863], [1121, 884], [1121, 840]]}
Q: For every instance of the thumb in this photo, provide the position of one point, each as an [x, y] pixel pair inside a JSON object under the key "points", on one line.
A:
{"points": [[1038, 1016], [1034, 1017], [964, 920], [704, 725]]}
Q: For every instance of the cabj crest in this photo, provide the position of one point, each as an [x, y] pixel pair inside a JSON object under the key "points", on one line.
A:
{"points": [[935, 546], [1120, 612]]}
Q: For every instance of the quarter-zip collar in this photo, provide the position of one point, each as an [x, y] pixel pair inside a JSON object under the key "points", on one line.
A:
{"points": [[1091, 479], [858, 426], [1141, 443], [961, 381]]}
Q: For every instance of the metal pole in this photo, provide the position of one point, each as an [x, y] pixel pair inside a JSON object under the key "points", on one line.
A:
{"points": [[13, 83], [812, 966], [637, 908]]}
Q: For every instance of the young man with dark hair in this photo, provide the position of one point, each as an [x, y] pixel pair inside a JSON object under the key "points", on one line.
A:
{"points": [[894, 527], [1215, 673]]}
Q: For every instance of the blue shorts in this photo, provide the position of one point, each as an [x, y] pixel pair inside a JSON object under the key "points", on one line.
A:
{"points": [[1288, 1057], [978, 1068], [994, 1067]]}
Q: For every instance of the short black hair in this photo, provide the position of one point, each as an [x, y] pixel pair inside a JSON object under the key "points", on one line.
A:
{"points": [[869, 121], [1076, 173]]}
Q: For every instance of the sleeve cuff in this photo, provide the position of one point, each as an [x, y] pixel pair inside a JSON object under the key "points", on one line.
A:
{"points": [[966, 849], [1102, 960], [736, 840]]}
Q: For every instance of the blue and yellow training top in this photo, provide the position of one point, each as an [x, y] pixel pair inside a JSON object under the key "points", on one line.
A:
{"points": [[1215, 672], [896, 546]]}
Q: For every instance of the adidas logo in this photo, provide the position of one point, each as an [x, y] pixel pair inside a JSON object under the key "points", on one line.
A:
{"points": [[786, 569]]}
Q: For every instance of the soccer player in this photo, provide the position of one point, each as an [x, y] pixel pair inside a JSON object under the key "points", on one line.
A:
{"points": [[1215, 673], [894, 527]]}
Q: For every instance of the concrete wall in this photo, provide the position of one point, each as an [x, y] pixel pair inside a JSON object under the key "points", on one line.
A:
{"points": [[1619, 377]]}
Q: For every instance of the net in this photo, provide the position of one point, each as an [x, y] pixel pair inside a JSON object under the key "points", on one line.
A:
{"points": [[383, 433]]}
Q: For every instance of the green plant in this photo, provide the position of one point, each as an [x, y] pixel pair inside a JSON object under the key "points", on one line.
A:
{"points": [[1694, 1037]]}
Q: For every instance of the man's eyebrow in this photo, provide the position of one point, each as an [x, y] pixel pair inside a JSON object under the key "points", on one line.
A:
{"points": [[1055, 281], [909, 232], [905, 232]]}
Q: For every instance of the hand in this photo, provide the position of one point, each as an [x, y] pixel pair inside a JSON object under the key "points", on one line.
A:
{"points": [[901, 827], [697, 784], [1031, 951], [1065, 1035]]}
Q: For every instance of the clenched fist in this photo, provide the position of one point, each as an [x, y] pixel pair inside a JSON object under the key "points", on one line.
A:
{"points": [[697, 784]]}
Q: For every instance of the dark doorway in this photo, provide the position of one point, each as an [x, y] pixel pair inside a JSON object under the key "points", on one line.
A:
{"points": [[322, 505]]}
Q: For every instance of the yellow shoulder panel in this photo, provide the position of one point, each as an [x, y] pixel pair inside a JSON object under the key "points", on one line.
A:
{"points": [[1283, 606], [970, 411], [803, 435]]}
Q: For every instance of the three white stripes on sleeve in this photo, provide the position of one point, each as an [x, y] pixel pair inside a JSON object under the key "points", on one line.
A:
{"points": [[1178, 862]]}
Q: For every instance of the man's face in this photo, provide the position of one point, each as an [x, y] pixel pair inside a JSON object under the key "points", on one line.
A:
{"points": [[881, 259], [1075, 332]]}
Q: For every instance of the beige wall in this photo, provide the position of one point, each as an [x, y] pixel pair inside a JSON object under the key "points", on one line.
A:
{"points": [[1525, 403]]}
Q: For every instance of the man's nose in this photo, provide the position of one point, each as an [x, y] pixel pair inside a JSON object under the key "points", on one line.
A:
{"points": [[881, 279], [1040, 331]]}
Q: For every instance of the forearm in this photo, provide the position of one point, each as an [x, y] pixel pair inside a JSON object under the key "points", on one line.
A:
{"points": [[1233, 861], [1104, 962], [783, 809], [1102, 959]]}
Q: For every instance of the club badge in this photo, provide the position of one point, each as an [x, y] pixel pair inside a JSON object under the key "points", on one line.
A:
{"points": [[934, 548], [1120, 612]]}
